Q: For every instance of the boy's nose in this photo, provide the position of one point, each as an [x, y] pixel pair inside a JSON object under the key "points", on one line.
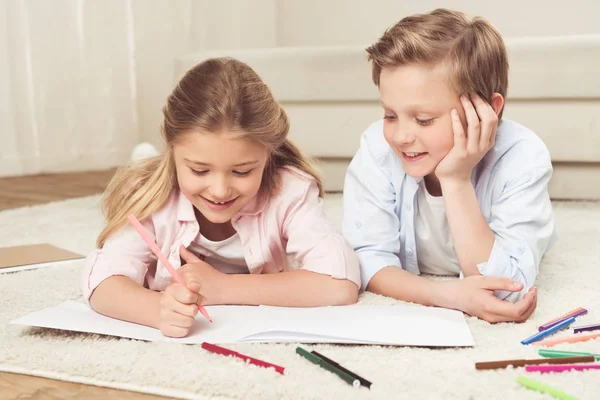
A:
{"points": [[403, 137]]}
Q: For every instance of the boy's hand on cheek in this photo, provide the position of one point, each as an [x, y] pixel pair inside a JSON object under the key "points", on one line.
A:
{"points": [[210, 280], [474, 295], [470, 146]]}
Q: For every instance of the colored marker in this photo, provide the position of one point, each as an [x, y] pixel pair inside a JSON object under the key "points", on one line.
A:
{"points": [[255, 361], [561, 368], [569, 339], [522, 363], [363, 381], [567, 315], [574, 313], [156, 250], [324, 364], [586, 328], [561, 353], [547, 332], [540, 387]]}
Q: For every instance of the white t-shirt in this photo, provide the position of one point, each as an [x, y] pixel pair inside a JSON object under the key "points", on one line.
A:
{"points": [[226, 256], [435, 250]]}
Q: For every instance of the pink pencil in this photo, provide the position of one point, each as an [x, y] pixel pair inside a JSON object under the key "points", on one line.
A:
{"points": [[560, 367], [156, 250]]}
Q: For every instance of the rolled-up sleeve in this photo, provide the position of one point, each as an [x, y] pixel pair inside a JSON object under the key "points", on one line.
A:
{"points": [[370, 223], [315, 241], [523, 223], [124, 253]]}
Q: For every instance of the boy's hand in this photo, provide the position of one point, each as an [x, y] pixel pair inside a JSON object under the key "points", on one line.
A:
{"points": [[469, 148], [474, 295], [211, 281], [178, 307]]}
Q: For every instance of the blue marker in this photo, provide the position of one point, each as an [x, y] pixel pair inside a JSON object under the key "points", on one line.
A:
{"points": [[547, 332]]}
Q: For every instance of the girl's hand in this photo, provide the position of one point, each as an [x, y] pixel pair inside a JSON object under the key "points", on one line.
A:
{"points": [[211, 281], [469, 148], [474, 295], [178, 307]]}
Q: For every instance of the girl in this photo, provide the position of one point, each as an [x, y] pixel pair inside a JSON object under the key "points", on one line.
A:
{"points": [[440, 187], [233, 197]]}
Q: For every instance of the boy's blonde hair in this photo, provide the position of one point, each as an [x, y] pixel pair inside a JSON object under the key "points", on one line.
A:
{"points": [[216, 95], [472, 49]]}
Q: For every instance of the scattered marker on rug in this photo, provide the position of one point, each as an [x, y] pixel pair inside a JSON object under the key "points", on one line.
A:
{"points": [[586, 328], [540, 335], [561, 353], [573, 313], [524, 362], [569, 339], [561, 368], [542, 388], [331, 368], [255, 361], [362, 380]]}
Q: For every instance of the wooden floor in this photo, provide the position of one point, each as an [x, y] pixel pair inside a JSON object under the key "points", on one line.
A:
{"points": [[34, 190], [39, 189]]}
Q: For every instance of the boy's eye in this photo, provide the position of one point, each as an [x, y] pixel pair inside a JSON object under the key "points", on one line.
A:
{"points": [[389, 117], [199, 173], [242, 173], [424, 122]]}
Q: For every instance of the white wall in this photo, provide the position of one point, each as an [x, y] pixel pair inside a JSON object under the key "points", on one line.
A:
{"points": [[343, 22], [83, 81]]}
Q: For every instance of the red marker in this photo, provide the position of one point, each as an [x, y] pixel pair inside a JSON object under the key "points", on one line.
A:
{"points": [[226, 352]]}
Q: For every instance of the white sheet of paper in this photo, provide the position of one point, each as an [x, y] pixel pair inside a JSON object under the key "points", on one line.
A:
{"points": [[383, 325]]}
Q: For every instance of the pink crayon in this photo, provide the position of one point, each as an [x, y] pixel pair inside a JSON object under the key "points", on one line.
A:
{"points": [[561, 367], [156, 250]]}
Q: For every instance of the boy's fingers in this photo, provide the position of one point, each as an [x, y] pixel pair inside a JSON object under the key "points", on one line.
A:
{"points": [[500, 283], [183, 295], [488, 122], [473, 125], [459, 132]]}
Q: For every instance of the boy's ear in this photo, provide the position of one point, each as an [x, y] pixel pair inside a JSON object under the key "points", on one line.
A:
{"points": [[497, 102]]}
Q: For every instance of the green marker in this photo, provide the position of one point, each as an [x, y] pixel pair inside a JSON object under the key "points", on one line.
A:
{"points": [[324, 364], [560, 353], [540, 387]]}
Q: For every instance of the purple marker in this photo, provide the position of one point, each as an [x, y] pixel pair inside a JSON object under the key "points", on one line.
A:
{"points": [[586, 328], [583, 311]]}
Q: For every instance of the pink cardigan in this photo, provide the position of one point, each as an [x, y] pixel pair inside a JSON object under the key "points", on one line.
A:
{"points": [[291, 222]]}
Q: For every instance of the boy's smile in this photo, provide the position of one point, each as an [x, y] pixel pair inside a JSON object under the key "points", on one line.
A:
{"points": [[417, 100]]}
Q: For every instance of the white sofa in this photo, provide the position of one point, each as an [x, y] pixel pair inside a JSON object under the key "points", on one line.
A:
{"points": [[554, 88]]}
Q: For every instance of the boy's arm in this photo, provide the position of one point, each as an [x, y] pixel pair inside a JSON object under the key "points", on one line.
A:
{"points": [[370, 223], [520, 230]]}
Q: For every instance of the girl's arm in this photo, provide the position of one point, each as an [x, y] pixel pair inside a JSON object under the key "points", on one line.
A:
{"points": [[121, 298], [298, 288]]}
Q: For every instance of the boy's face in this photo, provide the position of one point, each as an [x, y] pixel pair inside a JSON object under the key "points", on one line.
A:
{"points": [[417, 100]]}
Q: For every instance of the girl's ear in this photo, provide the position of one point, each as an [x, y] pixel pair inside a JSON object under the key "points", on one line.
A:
{"points": [[497, 102]]}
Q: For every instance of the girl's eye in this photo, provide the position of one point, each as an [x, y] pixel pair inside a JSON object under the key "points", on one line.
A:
{"points": [[389, 117], [244, 173], [199, 173], [424, 122]]}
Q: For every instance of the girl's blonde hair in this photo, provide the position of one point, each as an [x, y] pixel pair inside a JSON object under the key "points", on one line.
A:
{"points": [[472, 49], [219, 94]]}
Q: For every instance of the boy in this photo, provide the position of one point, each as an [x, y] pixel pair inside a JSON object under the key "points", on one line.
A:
{"points": [[440, 186]]}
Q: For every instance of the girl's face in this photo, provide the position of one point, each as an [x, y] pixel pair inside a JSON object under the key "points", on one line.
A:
{"points": [[219, 173]]}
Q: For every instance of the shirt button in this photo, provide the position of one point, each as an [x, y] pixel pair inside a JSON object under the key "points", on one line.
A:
{"points": [[408, 207], [357, 224], [409, 252], [520, 250]]}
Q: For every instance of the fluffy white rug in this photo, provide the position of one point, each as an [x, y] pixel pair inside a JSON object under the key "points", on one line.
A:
{"points": [[570, 277]]}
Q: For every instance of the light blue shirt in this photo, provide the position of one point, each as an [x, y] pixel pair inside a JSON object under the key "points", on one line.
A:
{"points": [[511, 184]]}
